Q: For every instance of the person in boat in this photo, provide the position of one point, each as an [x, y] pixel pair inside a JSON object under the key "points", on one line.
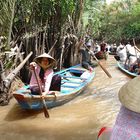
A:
{"points": [[131, 54], [108, 46], [86, 57], [97, 48], [135, 67], [112, 49], [102, 54], [121, 53], [43, 65], [127, 124]]}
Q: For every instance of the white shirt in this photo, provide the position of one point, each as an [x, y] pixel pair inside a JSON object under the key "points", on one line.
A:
{"points": [[120, 47], [122, 54], [132, 51]]}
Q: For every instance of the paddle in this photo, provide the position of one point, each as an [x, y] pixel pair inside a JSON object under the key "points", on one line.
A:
{"points": [[135, 45], [135, 49], [103, 68], [46, 113]]}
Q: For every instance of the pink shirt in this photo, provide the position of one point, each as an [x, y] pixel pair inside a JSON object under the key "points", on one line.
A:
{"points": [[127, 126], [47, 78]]}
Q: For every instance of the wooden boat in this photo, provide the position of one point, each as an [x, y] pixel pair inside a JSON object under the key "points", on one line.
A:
{"points": [[73, 81], [122, 67]]}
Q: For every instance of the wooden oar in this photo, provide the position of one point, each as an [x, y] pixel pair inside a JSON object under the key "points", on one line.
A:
{"points": [[135, 45], [38, 97], [46, 113], [103, 68], [135, 49]]}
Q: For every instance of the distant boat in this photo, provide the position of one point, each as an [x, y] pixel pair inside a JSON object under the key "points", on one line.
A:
{"points": [[73, 82], [122, 67]]}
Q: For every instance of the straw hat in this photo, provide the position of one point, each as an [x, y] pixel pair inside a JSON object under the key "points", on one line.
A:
{"points": [[52, 61], [129, 95]]}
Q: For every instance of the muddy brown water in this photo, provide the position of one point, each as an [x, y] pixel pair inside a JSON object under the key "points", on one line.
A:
{"points": [[79, 119]]}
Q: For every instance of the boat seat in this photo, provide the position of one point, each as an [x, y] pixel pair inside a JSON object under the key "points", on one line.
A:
{"points": [[85, 75], [74, 77], [68, 86], [72, 82]]}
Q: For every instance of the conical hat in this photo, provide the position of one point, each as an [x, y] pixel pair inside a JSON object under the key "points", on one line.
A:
{"points": [[52, 61], [129, 95]]}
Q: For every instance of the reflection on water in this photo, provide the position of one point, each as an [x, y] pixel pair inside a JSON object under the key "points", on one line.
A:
{"points": [[79, 119]]}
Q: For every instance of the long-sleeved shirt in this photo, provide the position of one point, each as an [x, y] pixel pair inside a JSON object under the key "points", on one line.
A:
{"points": [[47, 79], [127, 126]]}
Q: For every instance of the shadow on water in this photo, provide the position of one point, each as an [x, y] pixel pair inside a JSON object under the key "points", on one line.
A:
{"points": [[17, 113]]}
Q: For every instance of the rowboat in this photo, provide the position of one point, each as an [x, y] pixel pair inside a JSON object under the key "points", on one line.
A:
{"points": [[122, 67], [73, 81]]}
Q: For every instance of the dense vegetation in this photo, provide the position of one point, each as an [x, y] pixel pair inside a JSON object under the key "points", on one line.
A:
{"points": [[40, 24], [37, 26], [43, 25], [114, 22], [23, 19]]}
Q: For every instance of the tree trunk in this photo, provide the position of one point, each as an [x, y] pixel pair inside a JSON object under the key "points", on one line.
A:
{"points": [[4, 95]]}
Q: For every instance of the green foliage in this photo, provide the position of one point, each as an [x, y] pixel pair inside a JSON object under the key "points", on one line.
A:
{"points": [[36, 13], [45, 19], [30, 14], [114, 22], [5, 16]]}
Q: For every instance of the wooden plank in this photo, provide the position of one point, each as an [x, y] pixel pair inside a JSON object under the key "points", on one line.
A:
{"points": [[74, 77], [21, 97], [73, 82], [76, 71], [68, 86], [65, 70]]}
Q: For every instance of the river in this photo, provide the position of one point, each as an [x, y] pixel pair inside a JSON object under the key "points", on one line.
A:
{"points": [[79, 119]]}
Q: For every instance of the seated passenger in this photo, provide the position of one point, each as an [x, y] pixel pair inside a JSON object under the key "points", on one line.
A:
{"points": [[131, 54], [102, 54], [86, 59], [121, 54], [135, 67]]}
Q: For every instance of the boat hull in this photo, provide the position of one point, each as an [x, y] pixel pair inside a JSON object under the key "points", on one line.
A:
{"points": [[74, 81], [122, 67]]}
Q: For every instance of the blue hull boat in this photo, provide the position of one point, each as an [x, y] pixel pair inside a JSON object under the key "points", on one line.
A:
{"points": [[73, 82], [122, 67]]}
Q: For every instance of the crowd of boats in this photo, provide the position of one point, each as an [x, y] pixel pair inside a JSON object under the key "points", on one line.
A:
{"points": [[74, 79], [126, 55]]}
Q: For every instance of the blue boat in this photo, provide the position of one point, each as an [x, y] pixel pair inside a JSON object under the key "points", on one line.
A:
{"points": [[73, 81], [122, 67]]}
